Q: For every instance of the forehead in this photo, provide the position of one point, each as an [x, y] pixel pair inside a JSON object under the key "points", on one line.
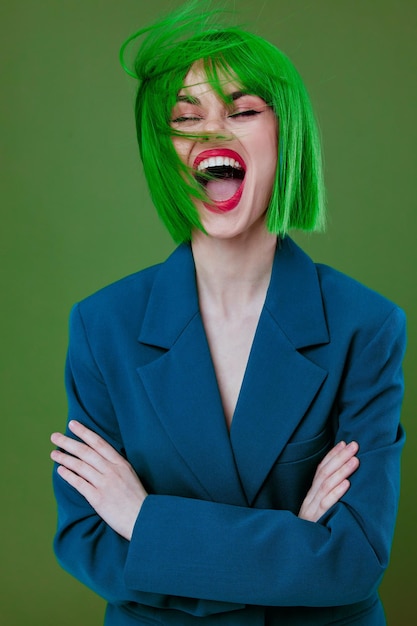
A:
{"points": [[203, 77]]}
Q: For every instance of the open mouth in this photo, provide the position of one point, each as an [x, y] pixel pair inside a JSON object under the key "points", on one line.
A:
{"points": [[221, 173]]}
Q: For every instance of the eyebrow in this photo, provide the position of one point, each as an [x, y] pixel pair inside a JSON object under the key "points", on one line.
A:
{"points": [[237, 94], [192, 100], [189, 99]]}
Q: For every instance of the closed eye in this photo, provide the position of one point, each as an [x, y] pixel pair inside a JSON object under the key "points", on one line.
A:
{"points": [[184, 118], [247, 113]]}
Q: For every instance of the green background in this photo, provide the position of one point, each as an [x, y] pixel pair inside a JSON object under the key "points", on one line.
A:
{"points": [[76, 216]]}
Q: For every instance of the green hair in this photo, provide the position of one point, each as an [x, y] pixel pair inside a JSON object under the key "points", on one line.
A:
{"points": [[169, 49]]}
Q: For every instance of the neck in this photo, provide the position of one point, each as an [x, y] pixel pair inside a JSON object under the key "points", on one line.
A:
{"points": [[233, 273]]}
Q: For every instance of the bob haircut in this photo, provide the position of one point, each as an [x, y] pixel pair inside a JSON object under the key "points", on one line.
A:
{"points": [[170, 47]]}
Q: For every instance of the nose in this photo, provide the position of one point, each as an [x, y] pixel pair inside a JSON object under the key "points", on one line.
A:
{"points": [[215, 127], [214, 122]]}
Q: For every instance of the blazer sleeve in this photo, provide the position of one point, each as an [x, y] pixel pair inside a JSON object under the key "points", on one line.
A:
{"points": [[220, 552], [84, 544]]}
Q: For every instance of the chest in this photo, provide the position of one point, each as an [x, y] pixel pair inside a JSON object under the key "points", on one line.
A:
{"points": [[230, 342], [171, 407]]}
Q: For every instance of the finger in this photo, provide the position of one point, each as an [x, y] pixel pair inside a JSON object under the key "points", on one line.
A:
{"points": [[322, 471], [337, 460], [338, 464], [80, 450], [333, 452], [334, 495], [339, 454], [94, 441], [77, 466], [83, 487], [337, 477]]}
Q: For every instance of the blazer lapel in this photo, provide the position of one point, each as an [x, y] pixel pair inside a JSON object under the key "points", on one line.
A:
{"points": [[279, 383], [181, 384]]}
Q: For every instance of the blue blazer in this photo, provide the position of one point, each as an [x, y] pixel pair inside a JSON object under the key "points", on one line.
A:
{"points": [[218, 540]]}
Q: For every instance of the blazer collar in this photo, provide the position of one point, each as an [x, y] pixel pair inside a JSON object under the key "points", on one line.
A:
{"points": [[293, 298], [182, 386], [173, 301]]}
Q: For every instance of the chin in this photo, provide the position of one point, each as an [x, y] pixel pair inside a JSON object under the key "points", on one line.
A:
{"points": [[233, 229]]}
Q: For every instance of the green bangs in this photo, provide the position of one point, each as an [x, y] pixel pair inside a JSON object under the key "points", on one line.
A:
{"points": [[169, 48]]}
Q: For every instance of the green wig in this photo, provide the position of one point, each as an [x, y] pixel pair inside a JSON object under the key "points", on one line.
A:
{"points": [[168, 50]]}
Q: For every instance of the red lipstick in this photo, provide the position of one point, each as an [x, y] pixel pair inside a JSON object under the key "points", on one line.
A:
{"points": [[224, 152], [232, 202]]}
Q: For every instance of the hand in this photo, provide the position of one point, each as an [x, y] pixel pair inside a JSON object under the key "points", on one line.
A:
{"points": [[100, 474], [330, 480]]}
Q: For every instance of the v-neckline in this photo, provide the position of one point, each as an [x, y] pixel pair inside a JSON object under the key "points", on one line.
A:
{"points": [[229, 422]]}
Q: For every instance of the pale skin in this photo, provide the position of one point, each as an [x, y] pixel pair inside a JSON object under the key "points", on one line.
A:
{"points": [[111, 486], [233, 262]]}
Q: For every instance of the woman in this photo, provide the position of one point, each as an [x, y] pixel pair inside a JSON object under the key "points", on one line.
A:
{"points": [[217, 402]]}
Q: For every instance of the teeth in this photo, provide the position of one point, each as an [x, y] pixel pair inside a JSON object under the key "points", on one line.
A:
{"points": [[216, 161]]}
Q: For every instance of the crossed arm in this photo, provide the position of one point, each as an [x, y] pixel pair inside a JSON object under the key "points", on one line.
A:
{"points": [[164, 565], [111, 486]]}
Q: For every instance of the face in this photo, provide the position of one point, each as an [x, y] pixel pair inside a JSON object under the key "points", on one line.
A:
{"points": [[240, 155]]}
